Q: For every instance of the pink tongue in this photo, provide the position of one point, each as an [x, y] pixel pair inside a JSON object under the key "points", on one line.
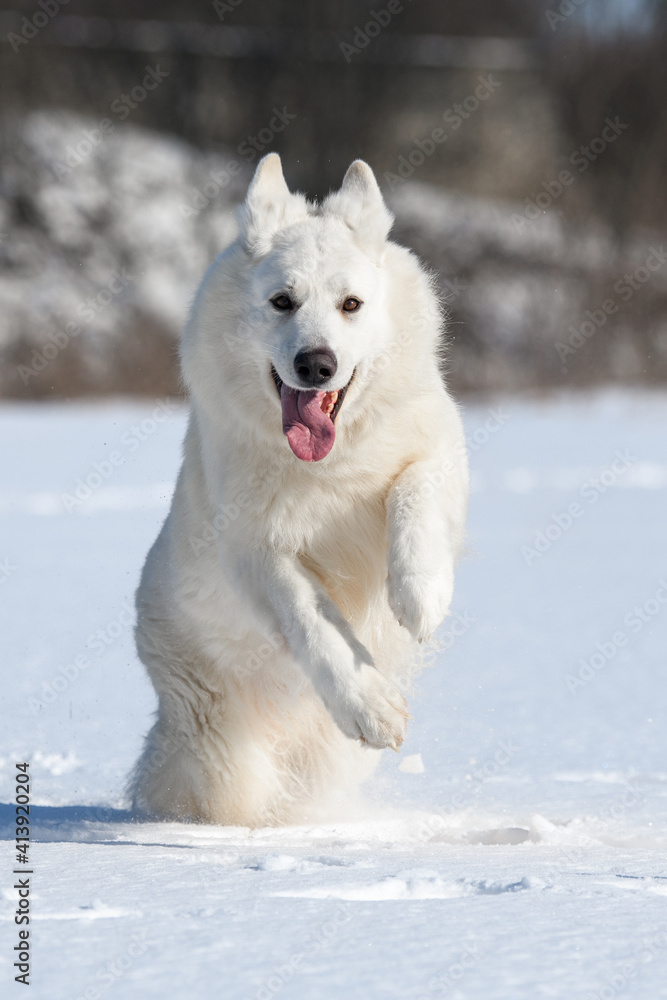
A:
{"points": [[310, 432]]}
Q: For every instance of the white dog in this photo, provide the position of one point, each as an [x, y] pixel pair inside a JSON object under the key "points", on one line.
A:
{"points": [[316, 519]]}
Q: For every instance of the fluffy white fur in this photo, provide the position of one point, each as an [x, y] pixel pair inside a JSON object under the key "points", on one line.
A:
{"points": [[281, 607]]}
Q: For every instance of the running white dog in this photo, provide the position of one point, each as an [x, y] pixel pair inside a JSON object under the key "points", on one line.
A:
{"points": [[317, 516]]}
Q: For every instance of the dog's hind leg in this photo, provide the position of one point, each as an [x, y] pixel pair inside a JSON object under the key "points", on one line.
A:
{"points": [[204, 763]]}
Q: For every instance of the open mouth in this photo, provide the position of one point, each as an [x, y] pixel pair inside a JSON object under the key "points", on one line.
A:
{"points": [[331, 401], [309, 418]]}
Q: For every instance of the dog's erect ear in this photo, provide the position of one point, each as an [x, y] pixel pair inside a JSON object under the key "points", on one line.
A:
{"points": [[360, 205], [269, 206]]}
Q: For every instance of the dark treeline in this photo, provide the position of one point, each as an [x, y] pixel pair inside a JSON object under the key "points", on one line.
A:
{"points": [[585, 58]]}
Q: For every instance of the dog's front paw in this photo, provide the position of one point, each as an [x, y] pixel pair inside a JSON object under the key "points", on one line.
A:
{"points": [[420, 601], [372, 710]]}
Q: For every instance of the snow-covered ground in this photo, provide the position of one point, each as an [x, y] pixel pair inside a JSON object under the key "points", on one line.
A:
{"points": [[515, 849]]}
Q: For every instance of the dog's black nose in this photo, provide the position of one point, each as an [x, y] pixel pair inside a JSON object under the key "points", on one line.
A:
{"points": [[315, 367]]}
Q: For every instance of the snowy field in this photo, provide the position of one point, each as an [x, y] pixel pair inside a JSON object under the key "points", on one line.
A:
{"points": [[515, 849]]}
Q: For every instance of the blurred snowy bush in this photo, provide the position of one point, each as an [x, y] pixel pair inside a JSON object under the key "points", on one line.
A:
{"points": [[104, 238]]}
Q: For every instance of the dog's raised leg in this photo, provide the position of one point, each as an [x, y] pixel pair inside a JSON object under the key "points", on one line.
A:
{"points": [[425, 517], [363, 703]]}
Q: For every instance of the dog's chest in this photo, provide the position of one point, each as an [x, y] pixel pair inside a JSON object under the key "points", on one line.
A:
{"points": [[333, 521], [339, 533]]}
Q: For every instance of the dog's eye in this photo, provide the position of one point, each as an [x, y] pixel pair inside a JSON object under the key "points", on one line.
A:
{"points": [[351, 305], [282, 302]]}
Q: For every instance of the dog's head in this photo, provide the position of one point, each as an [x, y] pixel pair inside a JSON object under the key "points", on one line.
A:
{"points": [[302, 305]]}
